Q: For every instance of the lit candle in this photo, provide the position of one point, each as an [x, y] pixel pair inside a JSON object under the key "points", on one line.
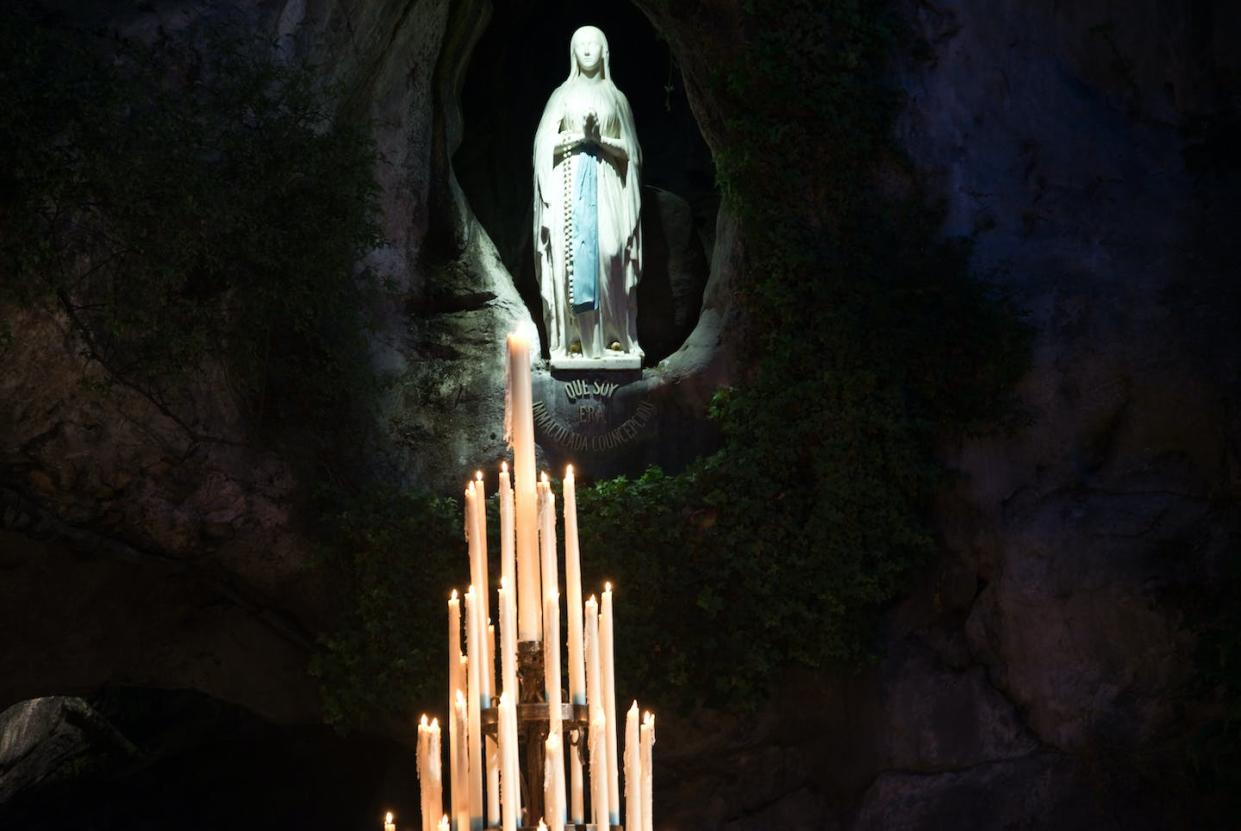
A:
{"points": [[475, 672], [633, 771], [508, 563], [389, 825], [597, 743], [455, 681], [484, 590], [577, 660], [424, 774], [648, 773], [456, 685], [542, 826], [509, 782], [459, 735], [573, 591], [519, 424], [435, 799], [508, 640], [476, 535], [445, 824], [608, 668]]}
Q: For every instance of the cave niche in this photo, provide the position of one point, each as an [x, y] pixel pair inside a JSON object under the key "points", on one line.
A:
{"points": [[520, 57]]}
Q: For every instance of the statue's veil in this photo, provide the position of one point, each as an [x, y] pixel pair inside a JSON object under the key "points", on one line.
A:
{"points": [[607, 53]]}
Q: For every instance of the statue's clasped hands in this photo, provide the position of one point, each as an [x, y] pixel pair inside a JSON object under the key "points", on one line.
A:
{"points": [[572, 139]]}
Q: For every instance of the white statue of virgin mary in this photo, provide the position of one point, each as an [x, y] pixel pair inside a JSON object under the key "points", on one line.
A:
{"points": [[587, 238]]}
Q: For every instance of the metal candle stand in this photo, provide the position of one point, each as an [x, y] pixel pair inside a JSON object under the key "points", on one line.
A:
{"points": [[532, 729]]}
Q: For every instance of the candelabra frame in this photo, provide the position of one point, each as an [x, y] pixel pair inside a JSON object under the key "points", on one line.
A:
{"points": [[533, 725]]}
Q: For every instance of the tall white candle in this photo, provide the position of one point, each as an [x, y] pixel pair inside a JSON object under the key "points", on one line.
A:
{"points": [[491, 663], [455, 681], [577, 806], [607, 664], [596, 743], [508, 640], [475, 744], [483, 583], [549, 566], [598, 771], [508, 561], [573, 591], [435, 799], [648, 773], [424, 777], [633, 770], [456, 686], [551, 683], [493, 749], [553, 782], [477, 537], [519, 422], [510, 784], [551, 658], [460, 735]]}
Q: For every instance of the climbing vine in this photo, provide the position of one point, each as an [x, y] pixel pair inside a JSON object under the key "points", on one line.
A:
{"points": [[870, 340]]}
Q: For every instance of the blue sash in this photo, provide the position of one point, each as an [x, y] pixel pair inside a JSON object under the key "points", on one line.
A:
{"points": [[585, 289]]}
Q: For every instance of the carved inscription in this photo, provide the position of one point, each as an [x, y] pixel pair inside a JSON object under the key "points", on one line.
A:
{"points": [[601, 390], [599, 442]]}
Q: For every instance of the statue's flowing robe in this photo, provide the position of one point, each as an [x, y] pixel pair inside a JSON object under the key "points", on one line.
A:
{"points": [[606, 308]]}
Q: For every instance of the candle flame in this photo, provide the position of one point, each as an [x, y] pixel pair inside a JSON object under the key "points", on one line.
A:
{"points": [[568, 471], [545, 479], [423, 721], [479, 475], [435, 724], [504, 467], [454, 595], [607, 588], [388, 818]]}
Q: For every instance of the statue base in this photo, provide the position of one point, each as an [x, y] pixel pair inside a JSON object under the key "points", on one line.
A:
{"points": [[611, 360]]}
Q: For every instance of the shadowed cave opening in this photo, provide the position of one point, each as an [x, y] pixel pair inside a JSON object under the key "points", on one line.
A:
{"points": [[522, 55], [129, 759]]}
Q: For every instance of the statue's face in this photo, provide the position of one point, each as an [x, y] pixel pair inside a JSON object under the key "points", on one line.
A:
{"points": [[588, 49]]}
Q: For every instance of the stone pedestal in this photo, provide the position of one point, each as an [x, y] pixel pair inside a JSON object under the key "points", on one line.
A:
{"points": [[610, 361]]}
